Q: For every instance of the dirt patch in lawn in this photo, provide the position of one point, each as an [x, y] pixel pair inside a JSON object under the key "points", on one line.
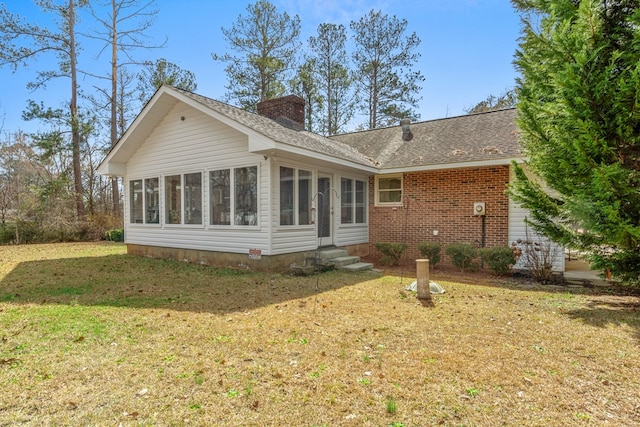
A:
{"points": [[91, 336]]}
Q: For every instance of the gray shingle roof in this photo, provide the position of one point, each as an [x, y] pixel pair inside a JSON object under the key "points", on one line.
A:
{"points": [[279, 133], [490, 136]]}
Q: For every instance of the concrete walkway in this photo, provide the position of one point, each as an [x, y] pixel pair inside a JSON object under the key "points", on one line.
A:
{"points": [[577, 271]]}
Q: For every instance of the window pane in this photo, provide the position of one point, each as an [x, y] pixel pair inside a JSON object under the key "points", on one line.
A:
{"points": [[304, 197], [135, 199], [390, 196], [220, 197], [152, 200], [286, 196], [361, 205], [246, 196], [173, 199], [389, 183], [193, 198], [389, 190], [346, 198]]}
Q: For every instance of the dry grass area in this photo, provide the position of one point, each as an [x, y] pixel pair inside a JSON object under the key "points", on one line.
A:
{"points": [[91, 336]]}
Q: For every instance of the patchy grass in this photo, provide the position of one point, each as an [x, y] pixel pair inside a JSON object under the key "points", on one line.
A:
{"points": [[91, 336]]}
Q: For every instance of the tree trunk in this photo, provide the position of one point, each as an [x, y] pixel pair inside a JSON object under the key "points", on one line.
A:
{"points": [[115, 191], [75, 125]]}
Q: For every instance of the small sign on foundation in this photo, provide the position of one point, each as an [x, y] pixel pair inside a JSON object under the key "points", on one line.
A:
{"points": [[255, 253]]}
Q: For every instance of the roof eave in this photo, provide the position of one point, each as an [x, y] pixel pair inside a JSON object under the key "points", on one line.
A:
{"points": [[280, 147], [454, 165]]}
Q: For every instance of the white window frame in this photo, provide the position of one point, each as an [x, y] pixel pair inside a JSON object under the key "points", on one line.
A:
{"points": [[377, 189], [183, 205], [144, 201], [232, 197], [354, 200], [131, 197], [296, 196]]}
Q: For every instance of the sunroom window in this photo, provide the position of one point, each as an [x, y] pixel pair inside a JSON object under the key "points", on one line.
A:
{"points": [[193, 198], [173, 199], [135, 202], [353, 206], [295, 196], [144, 201], [389, 190], [220, 197], [239, 206], [152, 200], [246, 196]]}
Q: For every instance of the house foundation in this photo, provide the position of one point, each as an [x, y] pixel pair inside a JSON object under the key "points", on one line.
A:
{"points": [[265, 263]]}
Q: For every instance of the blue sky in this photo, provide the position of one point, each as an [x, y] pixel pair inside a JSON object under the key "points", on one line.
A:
{"points": [[466, 51]]}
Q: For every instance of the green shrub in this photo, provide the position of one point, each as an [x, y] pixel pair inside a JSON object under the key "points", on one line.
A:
{"points": [[392, 252], [431, 251], [115, 235], [29, 232], [499, 259], [463, 256], [7, 233]]}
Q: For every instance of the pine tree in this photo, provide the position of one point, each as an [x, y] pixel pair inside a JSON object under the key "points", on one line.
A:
{"points": [[332, 77], [161, 72], [383, 58], [267, 42], [579, 116]]}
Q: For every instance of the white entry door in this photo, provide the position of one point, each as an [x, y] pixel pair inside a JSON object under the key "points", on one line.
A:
{"points": [[324, 205]]}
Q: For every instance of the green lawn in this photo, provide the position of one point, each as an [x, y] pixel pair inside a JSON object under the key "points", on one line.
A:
{"points": [[92, 336]]}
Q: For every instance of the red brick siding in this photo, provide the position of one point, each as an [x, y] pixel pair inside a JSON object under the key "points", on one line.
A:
{"points": [[290, 106], [443, 200]]}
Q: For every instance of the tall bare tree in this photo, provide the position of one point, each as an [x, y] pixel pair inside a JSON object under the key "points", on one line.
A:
{"points": [[123, 31], [22, 42]]}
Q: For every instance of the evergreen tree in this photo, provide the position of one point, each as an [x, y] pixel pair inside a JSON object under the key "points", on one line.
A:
{"points": [[507, 99], [266, 42], [384, 57], [304, 85], [579, 118], [332, 77], [161, 72]]}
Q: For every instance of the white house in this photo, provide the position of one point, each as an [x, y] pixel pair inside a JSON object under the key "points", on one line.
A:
{"points": [[208, 182]]}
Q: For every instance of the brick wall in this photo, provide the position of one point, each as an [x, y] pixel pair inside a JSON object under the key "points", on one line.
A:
{"points": [[443, 200]]}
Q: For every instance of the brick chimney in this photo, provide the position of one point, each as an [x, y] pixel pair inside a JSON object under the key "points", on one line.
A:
{"points": [[287, 110]]}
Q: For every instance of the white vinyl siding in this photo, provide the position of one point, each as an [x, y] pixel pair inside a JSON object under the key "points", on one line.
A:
{"points": [[518, 230], [293, 203], [198, 144]]}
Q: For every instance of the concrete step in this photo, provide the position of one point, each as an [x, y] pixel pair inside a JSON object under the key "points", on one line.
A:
{"points": [[330, 254], [341, 261], [358, 266]]}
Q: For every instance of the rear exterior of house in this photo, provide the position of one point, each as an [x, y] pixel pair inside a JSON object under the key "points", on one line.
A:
{"points": [[209, 183]]}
